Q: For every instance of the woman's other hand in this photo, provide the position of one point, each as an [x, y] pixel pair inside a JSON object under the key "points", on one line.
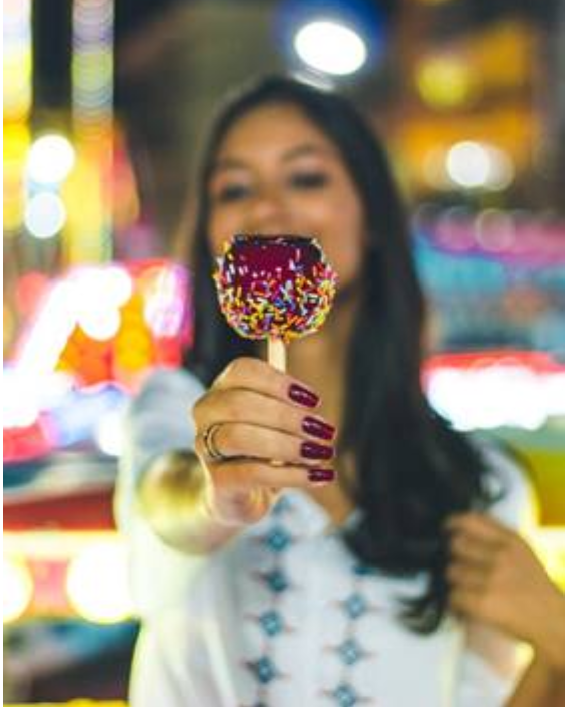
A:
{"points": [[257, 433], [495, 577]]}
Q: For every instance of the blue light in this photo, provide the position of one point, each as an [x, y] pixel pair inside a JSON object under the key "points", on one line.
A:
{"points": [[75, 418]]}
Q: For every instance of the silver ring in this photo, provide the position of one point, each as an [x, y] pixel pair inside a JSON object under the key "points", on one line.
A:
{"points": [[208, 439]]}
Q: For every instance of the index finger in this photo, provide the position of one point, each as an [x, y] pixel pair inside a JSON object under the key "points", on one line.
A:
{"points": [[254, 374]]}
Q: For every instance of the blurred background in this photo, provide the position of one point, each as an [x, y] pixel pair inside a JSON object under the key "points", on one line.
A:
{"points": [[105, 108]]}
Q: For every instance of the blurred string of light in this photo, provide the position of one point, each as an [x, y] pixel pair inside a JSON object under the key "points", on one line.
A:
{"points": [[17, 94], [88, 191]]}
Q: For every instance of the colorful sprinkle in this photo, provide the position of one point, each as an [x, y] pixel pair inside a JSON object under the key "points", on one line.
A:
{"points": [[281, 287]]}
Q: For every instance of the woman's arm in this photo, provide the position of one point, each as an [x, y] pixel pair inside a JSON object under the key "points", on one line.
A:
{"points": [[496, 579], [195, 500], [172, 498], [542, 685]]}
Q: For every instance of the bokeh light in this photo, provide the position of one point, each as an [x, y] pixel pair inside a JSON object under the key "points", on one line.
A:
{"points": [[97, 583], [100, 325], [331, 47], [445, 82], [45, 215], [20, 407], [17, 588], [17, 59], [472, 164], [50, 159], [490, 395]]}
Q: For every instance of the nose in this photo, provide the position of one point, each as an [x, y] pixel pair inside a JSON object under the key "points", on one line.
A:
{"points": [[268, 214]]}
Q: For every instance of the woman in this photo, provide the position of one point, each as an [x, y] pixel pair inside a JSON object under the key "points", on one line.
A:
{"points": [[322, 579]]}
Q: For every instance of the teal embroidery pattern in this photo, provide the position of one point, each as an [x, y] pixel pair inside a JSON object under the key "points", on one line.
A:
{"points": [[355, 607], [277, 540]]}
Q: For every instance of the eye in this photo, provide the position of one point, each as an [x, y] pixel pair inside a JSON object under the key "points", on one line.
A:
{"points": [[309, 180], [231, 192]]}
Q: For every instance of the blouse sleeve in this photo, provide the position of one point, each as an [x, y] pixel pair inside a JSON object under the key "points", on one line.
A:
{"points": [[491, 662], [158, 420]]}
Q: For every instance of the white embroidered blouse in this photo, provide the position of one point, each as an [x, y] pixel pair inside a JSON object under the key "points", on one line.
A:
{"points": [[284, 615]]}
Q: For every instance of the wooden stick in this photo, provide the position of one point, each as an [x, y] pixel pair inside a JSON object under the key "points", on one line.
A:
{"points": [[276, 354]]}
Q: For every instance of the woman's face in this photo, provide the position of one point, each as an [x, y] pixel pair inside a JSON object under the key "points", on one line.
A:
{"points": [[277, 173]]}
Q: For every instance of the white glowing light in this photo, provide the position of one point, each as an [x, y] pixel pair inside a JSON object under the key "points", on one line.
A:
{"points": [[49, 333], [102, 325], [118, 284], [99, 293], [496, 396], [20, 406], [97, 583], [45, 215], [553, 394], [17, 588], [330, 47], [25, 393], [50, 159], [109, 434], [468, 164], [91, 298], [473, 164]]}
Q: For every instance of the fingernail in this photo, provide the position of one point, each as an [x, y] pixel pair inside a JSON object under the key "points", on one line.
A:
{"points": [[317, 476], [317, 428], [311, 450], [303, 396]]}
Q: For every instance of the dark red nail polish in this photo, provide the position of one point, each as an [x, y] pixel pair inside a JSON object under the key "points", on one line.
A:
{"points": [[311, 450], [317, 428], [303, 396], [319, 475]]}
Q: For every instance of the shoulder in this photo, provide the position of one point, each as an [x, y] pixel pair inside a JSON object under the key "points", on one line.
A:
{"points": [[507, 482]]}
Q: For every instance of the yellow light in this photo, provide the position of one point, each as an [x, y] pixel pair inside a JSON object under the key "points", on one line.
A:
{"points": [[17, 588], [16, 144], [85, 217], [445, 82], [97, 584], [549, 544], [59, 545]]}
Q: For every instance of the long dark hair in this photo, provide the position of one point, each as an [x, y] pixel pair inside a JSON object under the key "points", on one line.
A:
{"points": [[412, 469]]}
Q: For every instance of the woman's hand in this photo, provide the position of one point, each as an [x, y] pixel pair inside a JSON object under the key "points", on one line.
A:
{"points": [[262, 424], [495, 577]]}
